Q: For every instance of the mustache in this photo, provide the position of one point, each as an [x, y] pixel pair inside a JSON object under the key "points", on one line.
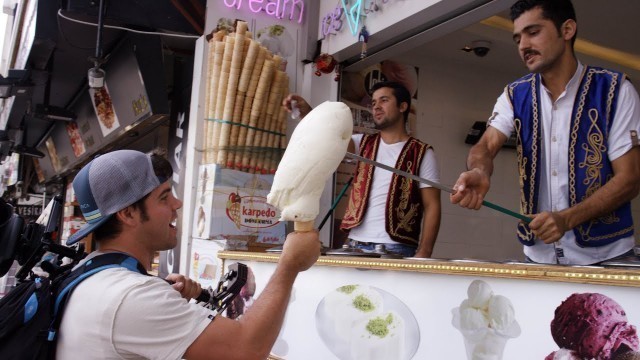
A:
{"points": [[530, 52]]}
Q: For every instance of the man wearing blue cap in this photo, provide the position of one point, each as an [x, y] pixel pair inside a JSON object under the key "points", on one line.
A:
{"points": [[126, 198]]}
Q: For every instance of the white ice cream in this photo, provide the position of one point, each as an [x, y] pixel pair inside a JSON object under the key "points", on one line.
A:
{"points": [[349, 304], [315, 150], [501, 314], [479, 293], [473, 319], [486, 322], [378, 338]]}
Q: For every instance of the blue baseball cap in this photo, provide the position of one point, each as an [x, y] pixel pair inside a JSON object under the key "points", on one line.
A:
{"points": [[110, 183]]}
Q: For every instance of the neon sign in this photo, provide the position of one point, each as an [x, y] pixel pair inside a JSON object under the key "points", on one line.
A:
{"points": [[353, 15], [332, 22], [275, 8]]}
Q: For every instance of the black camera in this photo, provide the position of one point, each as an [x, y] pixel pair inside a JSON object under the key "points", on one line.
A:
{"points": [[481, 51], [481, 47], [28, 243]]}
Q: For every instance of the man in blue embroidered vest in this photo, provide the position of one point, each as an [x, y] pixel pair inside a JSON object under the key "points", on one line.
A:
{"points": [[385, 208], [577, 135]]}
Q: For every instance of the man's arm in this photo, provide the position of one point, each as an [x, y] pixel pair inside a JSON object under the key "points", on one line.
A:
{"points": [[430, 221], [253, 336], [623, 187], [473, 185]]}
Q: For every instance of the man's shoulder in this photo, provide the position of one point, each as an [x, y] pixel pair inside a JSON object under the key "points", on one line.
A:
{"points": [[528, 78], [420, 143], [605, 72], [119, 278]]}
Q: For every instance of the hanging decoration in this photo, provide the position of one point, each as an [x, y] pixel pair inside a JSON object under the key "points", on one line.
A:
{"points": [[324, 64], [337, 77], [363, 38]]}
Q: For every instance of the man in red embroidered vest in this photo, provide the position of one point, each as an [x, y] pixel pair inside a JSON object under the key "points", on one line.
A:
{"points": [[385, 208]]}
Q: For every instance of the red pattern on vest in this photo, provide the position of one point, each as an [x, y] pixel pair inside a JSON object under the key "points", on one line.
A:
{"points": [[403, 210]]}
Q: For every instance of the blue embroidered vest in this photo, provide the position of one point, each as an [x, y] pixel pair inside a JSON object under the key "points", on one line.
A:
{"points": [[589, 168]]}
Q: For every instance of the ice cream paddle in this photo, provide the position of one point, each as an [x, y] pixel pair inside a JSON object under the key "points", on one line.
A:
{"points": [[435, 185]]}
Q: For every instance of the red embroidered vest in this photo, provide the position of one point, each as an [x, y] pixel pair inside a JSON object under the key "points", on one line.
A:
{"points": [[404, 202]]}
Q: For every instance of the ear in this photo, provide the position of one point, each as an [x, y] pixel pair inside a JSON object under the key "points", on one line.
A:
{"points": [[404, 107], [569, 29], [128, 216]]}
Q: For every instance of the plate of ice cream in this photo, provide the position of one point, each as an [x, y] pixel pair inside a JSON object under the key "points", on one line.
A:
{"points": [[360, 322]]}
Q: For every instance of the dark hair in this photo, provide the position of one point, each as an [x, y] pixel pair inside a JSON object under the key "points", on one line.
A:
{"points": [[558, 11], [399, 91], [112, 227]]}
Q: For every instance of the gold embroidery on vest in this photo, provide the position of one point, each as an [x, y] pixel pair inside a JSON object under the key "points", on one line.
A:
{"points": [[526, 205], [405, 218], [594, 147]]}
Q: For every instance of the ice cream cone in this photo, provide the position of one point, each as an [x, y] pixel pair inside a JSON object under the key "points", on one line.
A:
{"points": [[303, 226]]}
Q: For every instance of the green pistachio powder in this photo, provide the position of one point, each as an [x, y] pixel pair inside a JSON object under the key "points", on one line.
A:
{"points": [[380, 326], [347, 289], [363, 303]]}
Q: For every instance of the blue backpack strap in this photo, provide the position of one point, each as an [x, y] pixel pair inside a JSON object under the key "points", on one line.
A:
{"points": [[65, 288]]}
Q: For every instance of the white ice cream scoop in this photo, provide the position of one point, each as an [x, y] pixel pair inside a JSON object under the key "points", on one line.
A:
{"points": [[315, 150], [479, 294]]}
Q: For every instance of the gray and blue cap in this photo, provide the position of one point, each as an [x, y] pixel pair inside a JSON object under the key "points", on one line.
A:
{"points": [[110, 183]]}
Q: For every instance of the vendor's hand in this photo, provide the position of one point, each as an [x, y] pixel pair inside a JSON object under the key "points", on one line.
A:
{"points": [[301, 104], [470, 189], [548, 226], [300, 251], [188, 288]]}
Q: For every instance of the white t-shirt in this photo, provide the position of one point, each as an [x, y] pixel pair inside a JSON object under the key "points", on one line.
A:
{"points": [[121, 314], [372, 228], [554, 179]]}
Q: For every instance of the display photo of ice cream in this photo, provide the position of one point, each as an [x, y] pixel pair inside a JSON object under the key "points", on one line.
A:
{"points": [[593, 326], [359, 322], [77, 144], [53, 154], [277, 39], [103, 106], [486, 320]]}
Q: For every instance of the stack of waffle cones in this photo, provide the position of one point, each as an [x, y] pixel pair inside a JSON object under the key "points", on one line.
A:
{"points": [[245, 124]]}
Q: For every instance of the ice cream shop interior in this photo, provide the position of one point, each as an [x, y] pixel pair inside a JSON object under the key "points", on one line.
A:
{"points": [[362, 120]]}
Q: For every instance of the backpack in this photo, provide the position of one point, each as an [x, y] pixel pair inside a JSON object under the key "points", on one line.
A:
{"points": [[30, 314]]}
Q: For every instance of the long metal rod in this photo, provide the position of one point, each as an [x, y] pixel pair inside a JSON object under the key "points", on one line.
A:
{"points": [[435, 185], [335, 203], [99, 35]]}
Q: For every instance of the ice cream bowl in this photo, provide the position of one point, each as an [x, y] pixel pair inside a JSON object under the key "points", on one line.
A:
{"points": [[490, 346]]}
